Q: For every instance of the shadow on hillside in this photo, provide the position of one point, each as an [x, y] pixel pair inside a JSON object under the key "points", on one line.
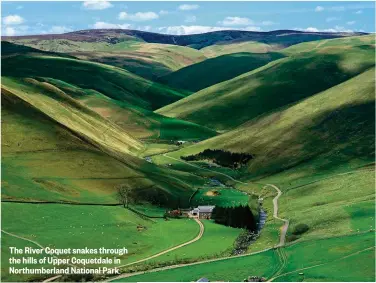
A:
{"points": [[333, 138], [287, 82], [215, 70]]}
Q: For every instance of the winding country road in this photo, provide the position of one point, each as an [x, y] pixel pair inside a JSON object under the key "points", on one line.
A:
{"points": [[200, 234], [285, 226], [185, 264], [22, 238], [198, 237], [275, 215], [282, 238], [35, 243]]}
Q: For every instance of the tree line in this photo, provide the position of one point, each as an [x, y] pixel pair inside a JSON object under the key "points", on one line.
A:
{"points": [[221, 157], [237, 217]]}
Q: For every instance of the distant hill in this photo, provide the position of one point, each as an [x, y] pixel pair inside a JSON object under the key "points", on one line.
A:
{"points": [[114, 82], [284, 81], [215, 70], [198, 41], [121, 97]]}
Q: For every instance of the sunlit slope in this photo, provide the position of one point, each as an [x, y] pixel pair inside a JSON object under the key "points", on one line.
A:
{"points": [[330, 129], [277, 84], [329, 44], [238, 47], [104, 95], [136, 121], [114, 82], [262, 42], [56, 149], [148, 60], [66, 111], [45, 160], [215, 70]]}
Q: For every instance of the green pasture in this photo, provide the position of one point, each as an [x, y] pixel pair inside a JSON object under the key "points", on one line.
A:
{"points": [[8, 241], [342, 204], [218, 240], [234, 270], [89, 226], [319, 259], [219, 196]]}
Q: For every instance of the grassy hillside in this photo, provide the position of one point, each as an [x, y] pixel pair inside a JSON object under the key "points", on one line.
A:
{"points": [[67, 152], [149, 60], [328, 44], [277, 84], [269, 42], [113, 82], [325, 131], [115, 94], [238, 47], [137, 121], [212, 71]]}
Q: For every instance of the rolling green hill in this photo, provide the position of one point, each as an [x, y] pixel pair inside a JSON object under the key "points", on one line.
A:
{"points": [[114, 82], [137, 121], [115, 94], [148, 60], [215, 70], [56, 150], [332, 127], [238, 47], [97, 130], [285, 81]]}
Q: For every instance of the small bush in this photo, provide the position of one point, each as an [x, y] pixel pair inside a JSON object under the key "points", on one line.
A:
{"points": [[300, 229], [292, 238]]}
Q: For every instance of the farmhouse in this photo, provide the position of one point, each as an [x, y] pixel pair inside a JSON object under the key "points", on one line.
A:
{"points": [[203, 212]]}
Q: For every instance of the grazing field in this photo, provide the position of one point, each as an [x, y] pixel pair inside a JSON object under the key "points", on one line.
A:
{"points": [[340, 204], [315, 257], [82, 226], [219, 196], [218, 240], [235, 270], [8, 241], [318, 258]]}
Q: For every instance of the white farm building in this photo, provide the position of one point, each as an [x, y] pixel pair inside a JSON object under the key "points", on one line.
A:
{"points": [[204, 211]]}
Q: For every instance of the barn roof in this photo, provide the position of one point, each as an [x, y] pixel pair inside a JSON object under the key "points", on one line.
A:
{"points": [[206, 208]]}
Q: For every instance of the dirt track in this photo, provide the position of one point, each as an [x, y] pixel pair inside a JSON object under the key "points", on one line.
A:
{"points": [[198, 237], [275, 215]]}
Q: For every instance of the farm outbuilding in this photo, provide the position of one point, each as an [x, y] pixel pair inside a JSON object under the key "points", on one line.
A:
{"points": [[203, 212]]}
